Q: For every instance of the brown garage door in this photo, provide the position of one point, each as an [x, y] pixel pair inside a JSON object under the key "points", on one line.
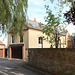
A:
{"points": [[17, 52], [1, 52]]}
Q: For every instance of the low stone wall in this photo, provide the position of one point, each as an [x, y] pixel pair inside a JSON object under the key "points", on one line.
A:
{"points": [[58, 61]]}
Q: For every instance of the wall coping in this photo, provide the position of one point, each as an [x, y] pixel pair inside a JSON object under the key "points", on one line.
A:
{"points": [[53, 49]]}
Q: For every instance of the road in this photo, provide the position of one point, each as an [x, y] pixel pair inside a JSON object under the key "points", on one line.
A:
{"points": [[16, 67]]}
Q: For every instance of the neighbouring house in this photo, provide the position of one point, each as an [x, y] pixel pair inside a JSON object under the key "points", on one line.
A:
{"points": [[70, 41], [73, 42], [32, 37], [3, 49]]}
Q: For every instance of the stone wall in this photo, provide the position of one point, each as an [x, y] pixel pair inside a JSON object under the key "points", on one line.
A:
{"points": [[58, 61]]}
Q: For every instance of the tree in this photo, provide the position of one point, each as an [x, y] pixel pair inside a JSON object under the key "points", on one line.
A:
{"points": [[13, 13], [5, 14], [70, 15], [73, 35], [62, 1], [51, 29]]}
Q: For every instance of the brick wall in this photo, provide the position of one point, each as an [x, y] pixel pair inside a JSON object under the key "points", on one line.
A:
{"points": [[58, 61]]}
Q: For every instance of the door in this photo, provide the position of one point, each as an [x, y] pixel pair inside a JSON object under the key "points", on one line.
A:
{"points": [[1, 52], [17, 52]]}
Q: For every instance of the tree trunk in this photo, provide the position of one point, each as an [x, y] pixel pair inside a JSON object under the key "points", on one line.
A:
{"points": [[56, 41]]}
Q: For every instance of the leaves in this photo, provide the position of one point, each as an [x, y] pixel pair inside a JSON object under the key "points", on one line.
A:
{"points": [[70, 15], [51, 28], [13, 13], [54, 21]]}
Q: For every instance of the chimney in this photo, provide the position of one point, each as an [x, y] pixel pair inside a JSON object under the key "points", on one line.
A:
{"points": [[34, 19]]}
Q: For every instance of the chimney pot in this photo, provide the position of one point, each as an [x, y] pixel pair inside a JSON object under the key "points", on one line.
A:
{"points": [[35, 19]]}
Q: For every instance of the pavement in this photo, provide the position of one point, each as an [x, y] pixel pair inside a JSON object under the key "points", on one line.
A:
{"points": [[17, 67]]}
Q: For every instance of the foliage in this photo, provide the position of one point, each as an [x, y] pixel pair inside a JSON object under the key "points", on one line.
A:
{"points": [[62, 1], [5, 14], [13, 13], [73, 35], [70, 15], [51, 29]]}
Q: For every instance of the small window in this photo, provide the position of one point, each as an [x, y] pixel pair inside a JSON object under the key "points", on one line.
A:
{"points": [[40, 41], [13, 39], [59, 43], [21, 38]]}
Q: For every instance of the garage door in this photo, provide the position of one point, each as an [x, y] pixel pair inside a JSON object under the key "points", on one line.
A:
{"points": [[17, 52], [1, 52]]}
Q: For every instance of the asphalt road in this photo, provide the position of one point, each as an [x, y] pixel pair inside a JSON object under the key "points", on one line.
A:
{"points": [[16, 67]]}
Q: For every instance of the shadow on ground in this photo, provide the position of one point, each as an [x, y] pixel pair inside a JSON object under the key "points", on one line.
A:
{"points": [[17, 67]]}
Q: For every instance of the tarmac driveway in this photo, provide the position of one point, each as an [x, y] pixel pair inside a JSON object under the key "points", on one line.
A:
{"points": [[15, 67]]}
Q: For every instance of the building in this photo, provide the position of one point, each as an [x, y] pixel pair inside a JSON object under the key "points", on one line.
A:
{"points": [[70, 41], [3, 49], [32, 37], [73, 42]]}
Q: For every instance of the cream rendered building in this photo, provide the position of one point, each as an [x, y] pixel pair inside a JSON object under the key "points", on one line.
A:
{"points": [[32, 37]]}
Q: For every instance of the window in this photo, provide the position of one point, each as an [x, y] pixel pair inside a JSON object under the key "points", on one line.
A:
{"points": [[59, 42], [13, 39], [40, 41], [65, 40], [21, 38]]}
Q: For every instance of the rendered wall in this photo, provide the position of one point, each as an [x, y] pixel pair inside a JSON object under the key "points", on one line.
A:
{"points": [[2, 46], [33, 39], [17, 39], [9, 39], [63, 41], [30, 38], [25, 38]]}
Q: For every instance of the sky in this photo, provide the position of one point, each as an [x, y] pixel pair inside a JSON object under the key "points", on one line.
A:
{"points": [[37, 10]]}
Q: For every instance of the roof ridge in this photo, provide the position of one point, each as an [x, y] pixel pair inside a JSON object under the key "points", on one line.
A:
{"points": [[33, 21]]}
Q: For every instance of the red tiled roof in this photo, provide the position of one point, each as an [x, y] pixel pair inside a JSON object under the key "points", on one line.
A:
{"points": [[1, 43]]}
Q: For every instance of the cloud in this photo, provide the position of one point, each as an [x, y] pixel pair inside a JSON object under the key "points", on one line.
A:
{"points": [[71, 28], [36, 2]]}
